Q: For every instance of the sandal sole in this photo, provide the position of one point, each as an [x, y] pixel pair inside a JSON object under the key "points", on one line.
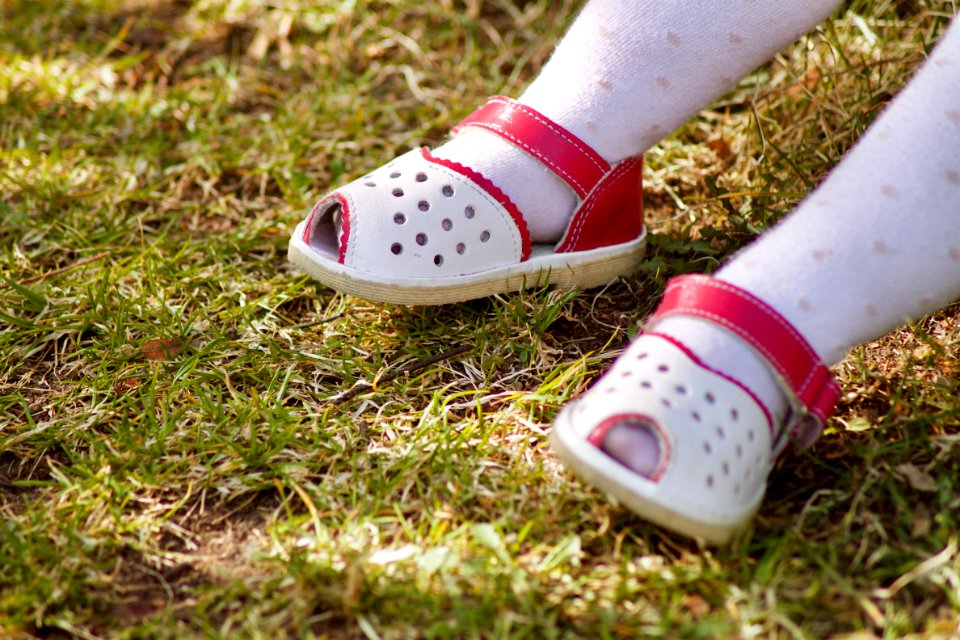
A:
{"points": [[579, 270]]}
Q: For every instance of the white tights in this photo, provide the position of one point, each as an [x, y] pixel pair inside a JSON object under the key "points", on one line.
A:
{"points": [[877, 243], [627, 73]]}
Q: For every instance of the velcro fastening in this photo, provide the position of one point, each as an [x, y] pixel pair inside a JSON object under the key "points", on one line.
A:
{"points": [[559, 150], [770, 334]]}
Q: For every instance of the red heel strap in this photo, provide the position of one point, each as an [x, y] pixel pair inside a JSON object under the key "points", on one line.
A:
{"points": [[562, 152]]}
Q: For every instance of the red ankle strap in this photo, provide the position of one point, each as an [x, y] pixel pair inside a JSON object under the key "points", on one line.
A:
{"points": [[769, 333], [559, 150]]}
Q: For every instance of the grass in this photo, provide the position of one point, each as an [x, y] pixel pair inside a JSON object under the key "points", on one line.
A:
{"points": [[198, 441]]}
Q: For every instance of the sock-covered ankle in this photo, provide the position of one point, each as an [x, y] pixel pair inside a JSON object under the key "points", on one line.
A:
{"points": [[627, 74]]}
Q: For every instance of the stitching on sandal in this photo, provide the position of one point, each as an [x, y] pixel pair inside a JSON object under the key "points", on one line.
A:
{"points": [[581, 190], [550, 125], [584, 213]]}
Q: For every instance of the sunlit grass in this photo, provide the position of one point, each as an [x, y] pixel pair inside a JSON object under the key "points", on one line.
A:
{"points": [[197, 441]]}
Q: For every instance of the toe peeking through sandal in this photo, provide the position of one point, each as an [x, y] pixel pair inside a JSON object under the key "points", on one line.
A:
{"points": [[424, 230], [717, 442]]}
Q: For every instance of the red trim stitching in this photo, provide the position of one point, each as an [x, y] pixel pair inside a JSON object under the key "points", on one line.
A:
{"points": [[502, 132], [707, 315], [344, 238], [503, 116], [760, 304], [588, 152]]}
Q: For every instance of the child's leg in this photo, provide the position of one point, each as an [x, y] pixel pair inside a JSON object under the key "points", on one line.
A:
{"points": [[877, 243], [545, 189], [627, 74]]}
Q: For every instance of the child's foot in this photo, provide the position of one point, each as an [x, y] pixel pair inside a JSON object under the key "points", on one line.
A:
{"points": [[625, 75], [683, 442], [427, 229], [684, 427], [567, 171]]}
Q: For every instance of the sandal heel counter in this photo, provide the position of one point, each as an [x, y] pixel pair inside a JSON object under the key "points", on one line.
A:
{"points": [[611, 214]]}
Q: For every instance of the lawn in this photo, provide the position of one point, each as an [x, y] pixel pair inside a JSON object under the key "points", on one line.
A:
{"points": [[196, 440]]}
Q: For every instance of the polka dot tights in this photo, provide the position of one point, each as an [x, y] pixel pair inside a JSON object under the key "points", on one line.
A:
{"points": [[876, 244], [627, 73]]}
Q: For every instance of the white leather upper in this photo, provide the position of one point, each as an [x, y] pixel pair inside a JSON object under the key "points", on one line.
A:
{"points": [[715, 439], [420, 219]]}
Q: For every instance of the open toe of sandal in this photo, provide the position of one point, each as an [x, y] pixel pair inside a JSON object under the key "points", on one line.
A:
{"points": [[425, 230], [717, 442]]}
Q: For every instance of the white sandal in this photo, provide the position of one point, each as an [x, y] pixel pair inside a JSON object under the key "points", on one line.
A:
{"points": [[423, 230], [717, 440]]}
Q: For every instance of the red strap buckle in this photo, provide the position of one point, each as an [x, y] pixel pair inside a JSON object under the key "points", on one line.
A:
{"points": [[769, 333], [559, 150]]}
